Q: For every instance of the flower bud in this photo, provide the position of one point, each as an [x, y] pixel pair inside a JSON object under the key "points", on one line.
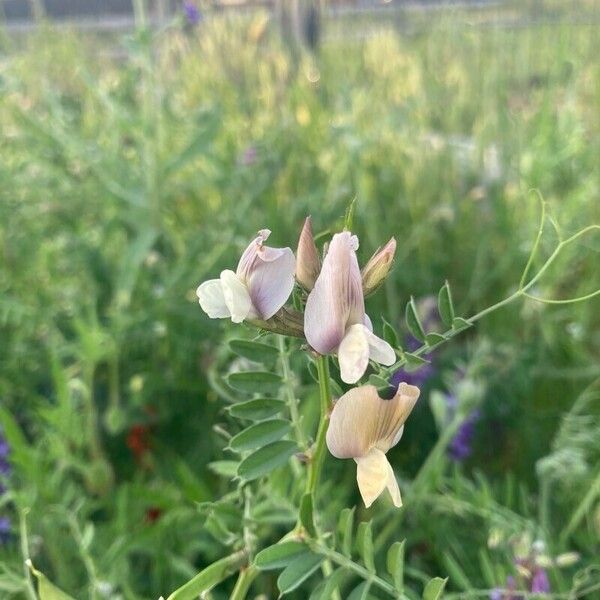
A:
{"points": [[377, 269], [308, 263]]}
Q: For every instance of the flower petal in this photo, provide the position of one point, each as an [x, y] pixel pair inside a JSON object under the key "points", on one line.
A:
{"points": [[336, 300], [361, 420], [212, 300], [271, 280], [308, 262], [353, 353], [236, 296], [372, 475], [249, 256], [392, 486], [394, 415], [379, 350]]}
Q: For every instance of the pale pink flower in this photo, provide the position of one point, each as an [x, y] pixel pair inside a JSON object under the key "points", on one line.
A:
{"points": [[335, 319], [260, 286]]}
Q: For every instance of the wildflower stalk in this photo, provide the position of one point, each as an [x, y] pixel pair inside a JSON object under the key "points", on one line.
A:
{"points": [[522, 291], [244, 581], [347, 563], [318, 455], [288, 387]]}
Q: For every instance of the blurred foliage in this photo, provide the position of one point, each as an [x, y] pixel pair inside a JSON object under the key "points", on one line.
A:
{"points": [[134, 167]]}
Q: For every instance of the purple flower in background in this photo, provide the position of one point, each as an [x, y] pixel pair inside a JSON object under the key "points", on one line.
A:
{"points": [[5, 530], [4, 473], [540, 583], [427, 309], [418, 378], [192, 12], [249, 156], [460, 447]]}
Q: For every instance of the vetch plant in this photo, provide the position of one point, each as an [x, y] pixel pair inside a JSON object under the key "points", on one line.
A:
{"points": [[281, 513], [327, 314]]}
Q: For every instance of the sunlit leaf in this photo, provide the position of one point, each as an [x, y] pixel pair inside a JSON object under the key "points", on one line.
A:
{"points": [[360, 592], [434, 589], [46, 589]]}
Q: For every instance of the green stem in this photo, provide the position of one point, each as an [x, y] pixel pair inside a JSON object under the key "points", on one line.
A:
{"points": [[288, 386], [29, 587], [318, 455], [244, 581], [347, 563]]}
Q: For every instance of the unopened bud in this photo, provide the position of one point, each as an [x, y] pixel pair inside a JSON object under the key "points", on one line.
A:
{"points": [[308, 263], [378, 267]]}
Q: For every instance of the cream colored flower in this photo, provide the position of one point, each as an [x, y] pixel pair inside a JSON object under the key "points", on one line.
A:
{"points": [[364, 427]]}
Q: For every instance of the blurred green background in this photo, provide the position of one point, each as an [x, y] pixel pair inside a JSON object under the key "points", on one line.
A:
{"points": [[133, 166]]}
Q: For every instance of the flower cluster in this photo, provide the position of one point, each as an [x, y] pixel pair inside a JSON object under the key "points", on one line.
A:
{"points": [[334, 320], [5, 470], [332, 288]]}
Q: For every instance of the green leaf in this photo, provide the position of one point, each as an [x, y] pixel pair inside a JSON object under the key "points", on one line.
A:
{"points": [[349, 216], [259, 435], [266, 459], [327, 587], [257, 409], [254, 351], [361, 592], [379, 382], [46, 589], [209, 577], [345, 526], [413, 322], [445, 305], [459, 577], [306, 514], [297, 572], [434, 338], [255, 381], [364, 544], [434, 589], [414, 362], [395, 564], [279, 555], [225, 468], [389, 334], [458, 324]]}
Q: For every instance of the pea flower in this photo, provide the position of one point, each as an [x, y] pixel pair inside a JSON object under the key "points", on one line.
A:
{"points": [[260, 286], [364, 427], [378, 268], [308, 262], [335, 319]]}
